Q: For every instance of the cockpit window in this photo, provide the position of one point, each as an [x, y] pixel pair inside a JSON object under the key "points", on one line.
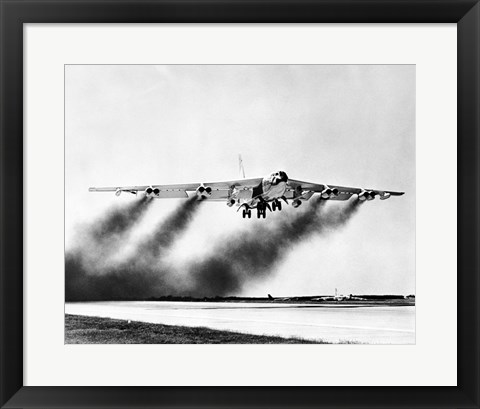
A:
{"points": [[277, 177]]}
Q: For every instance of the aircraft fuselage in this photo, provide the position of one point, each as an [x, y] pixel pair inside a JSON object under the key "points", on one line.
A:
{"points": [[271, 188]]}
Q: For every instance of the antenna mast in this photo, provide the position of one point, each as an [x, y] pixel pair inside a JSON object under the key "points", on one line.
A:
{"points": [[240, 166]]}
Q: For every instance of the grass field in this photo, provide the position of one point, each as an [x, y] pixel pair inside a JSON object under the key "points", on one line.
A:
{"points": [[95, 330]]}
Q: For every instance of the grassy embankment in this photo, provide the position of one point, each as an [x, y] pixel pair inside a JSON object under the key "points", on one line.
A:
{"points": [[96, 330]]}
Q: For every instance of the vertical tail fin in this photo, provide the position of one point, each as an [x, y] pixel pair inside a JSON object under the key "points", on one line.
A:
{"points": [[240, 166]]}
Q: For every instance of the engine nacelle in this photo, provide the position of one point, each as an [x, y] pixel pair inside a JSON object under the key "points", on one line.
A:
{"points": [[149, 192], [366, 195], [203, 192], [329, 193], [384, 195], [296, 203], [152, 191]]}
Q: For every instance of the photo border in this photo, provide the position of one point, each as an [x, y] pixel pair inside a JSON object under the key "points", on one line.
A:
{"points": [[15, 13]]}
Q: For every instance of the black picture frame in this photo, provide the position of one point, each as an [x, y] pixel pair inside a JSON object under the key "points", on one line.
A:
{"points": [[14, 13]]}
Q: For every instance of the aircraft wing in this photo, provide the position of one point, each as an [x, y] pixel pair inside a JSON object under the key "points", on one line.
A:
{"points": [[165, 191], [239, 183], [219, 189], [344, 192]]}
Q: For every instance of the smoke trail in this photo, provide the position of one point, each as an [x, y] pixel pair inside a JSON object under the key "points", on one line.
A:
{"points": [[254, 253], [140, 276], [166, 232], [119, 220], [100, 239], [251, 254], [126, 281]]}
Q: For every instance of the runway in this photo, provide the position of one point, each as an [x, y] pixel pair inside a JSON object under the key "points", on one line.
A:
{"points": [[331, 323]]}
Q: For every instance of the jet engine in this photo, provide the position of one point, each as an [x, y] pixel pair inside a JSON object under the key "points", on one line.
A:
{"points": [[329, 193], [366, 195], [296, 203], [151, 191], [203, 192]]}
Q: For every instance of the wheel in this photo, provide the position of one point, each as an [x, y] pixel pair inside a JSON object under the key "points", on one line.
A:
{"points": [[244, 213], [249, 213], [274, 206], [264, 214], [259, 213], [279, 206]]}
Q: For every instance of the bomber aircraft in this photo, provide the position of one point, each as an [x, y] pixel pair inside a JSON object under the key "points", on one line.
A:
{"points": [[257, 193]]}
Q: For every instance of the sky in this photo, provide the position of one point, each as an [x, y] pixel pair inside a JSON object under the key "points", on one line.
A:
{"points": [[332, 124]]}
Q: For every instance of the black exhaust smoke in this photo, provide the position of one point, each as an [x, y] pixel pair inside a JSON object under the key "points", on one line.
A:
{"points": [[101, 238], [253, 254], [119, 220], [141, 276], [250, 255], [166, 232]]}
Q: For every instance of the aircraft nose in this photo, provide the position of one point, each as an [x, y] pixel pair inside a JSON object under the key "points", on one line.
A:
{"points": [[283, 176]]}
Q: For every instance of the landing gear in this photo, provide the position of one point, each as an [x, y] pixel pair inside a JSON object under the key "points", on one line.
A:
{"points": [[276, 205], [262, 206], [246, 213], [261, 212]]}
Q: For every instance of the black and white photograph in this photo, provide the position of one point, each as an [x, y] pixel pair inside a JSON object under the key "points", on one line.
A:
{"points": [[240, 204]]}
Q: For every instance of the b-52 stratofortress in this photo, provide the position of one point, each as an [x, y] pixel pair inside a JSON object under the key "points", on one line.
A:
{"points": [[261, 194]]}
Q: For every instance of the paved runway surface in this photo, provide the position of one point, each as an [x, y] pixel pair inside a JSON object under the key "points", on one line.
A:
{"points": [[332, 323]]}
